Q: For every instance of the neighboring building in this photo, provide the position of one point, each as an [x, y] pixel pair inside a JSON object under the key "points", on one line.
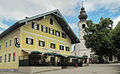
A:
{"points": [[47, 32], [80, 48]]}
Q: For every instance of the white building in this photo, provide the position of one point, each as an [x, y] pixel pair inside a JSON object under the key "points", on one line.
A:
{"points": [[80, 48]]}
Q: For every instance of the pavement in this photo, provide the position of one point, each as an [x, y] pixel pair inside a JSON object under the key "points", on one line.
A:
{"points": [[91, 69]]}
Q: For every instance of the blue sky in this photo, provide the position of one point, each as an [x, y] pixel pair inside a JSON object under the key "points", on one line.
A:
{"points": [[15, 10]]}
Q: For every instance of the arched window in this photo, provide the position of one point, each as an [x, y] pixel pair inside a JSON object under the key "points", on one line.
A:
{"points": [[51, 21], [83, 25]]}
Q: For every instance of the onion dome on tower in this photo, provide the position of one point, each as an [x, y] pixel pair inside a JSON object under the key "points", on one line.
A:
{"points": [[83, 15]]}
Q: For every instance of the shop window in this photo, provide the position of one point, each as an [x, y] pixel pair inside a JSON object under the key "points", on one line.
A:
{"points": [[29, 41], [0, 59], [83, 25], [57, 33], [63, 35], [41, 43], [14, 56], [5, 58], [51, 31], [61, 47], [51, 21], [67, 48], [10, 42], [52, 45], [9, 57], [44, 29]]}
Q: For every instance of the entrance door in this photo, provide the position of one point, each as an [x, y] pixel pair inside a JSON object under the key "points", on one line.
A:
{"points": [[52, 61]]}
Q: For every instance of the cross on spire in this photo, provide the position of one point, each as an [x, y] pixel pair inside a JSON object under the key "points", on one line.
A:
{"points": [[82, 4]]}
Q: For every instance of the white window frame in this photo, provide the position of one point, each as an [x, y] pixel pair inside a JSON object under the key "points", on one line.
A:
{"points": [[51, 31], [52, 45], [61, 47], [41, 44], [29, 42]]}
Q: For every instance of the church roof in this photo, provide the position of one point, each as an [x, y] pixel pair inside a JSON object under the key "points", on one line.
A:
{"points": [[57, 15]]}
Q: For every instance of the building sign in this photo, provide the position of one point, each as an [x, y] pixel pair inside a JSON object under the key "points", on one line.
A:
{"points": [[16, 42]]}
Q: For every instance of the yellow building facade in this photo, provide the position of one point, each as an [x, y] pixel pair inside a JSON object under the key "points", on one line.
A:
{"points": [[47, 32]]}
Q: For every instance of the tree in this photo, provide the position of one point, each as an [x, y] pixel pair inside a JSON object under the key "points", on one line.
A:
{"points": [[97, 37], [115, 36]]}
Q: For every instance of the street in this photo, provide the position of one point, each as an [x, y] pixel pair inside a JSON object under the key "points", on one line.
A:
{"points": [[91, 69]]}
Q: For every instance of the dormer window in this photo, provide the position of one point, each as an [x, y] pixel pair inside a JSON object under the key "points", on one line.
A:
{"points": [[35, 26], [51, 21], [83, 26]]}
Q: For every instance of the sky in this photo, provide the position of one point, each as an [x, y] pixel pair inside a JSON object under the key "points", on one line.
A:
{"points": [[13, 10]]}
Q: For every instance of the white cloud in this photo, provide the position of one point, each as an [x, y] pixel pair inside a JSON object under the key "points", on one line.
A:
{"points": [[111, 5], [3, 26], [18, 9], [116, 20]]}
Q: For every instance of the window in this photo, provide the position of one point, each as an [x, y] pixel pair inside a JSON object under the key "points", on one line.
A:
{"points": [[44, 29], [9, 57], [61, 47], [67, 48], [5, 58], [14, 56], [41, 43], [29, 41], [0, 46], [51, 21], [10, 42], [57, 33], [51, 31], [63, 35], [52, 45], [0, 59], [6, 44], [35, 26], [83, 26]]}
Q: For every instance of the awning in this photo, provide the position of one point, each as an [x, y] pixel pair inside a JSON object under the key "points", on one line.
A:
{"points": [[48, 53], [31, 51], [51, 53], [57, 54], [71, 56], [36, 52]]}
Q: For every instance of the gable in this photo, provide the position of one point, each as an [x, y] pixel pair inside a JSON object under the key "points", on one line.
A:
{"points": [[56, 14]]}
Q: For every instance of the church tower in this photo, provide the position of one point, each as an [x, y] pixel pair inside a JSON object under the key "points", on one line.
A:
{"points": [[80, 48]]}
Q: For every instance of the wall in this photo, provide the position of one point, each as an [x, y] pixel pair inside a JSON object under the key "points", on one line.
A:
{"points": [[9, 50], [36, 35]]}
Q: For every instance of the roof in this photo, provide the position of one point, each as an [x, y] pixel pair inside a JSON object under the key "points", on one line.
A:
{"points": [[57, 15]]}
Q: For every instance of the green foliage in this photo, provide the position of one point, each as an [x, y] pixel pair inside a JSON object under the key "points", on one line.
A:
{"points": [[98, 36], [115, 36]]}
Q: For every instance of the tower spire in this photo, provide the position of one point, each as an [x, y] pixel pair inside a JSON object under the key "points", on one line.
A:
{"points": [[83, 15]]}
